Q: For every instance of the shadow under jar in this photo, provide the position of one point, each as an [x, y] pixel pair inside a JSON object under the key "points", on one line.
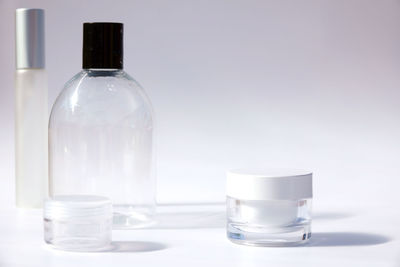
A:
{"points": [[269, 207]]}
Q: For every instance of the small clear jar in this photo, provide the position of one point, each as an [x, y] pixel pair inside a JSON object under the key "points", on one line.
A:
{"points": [[78, 222], [269, 207]]}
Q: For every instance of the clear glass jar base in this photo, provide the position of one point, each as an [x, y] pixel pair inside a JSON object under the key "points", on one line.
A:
{"points": [[73, 235], [276, 237]]}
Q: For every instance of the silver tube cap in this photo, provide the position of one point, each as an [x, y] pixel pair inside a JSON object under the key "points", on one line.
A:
{"points": [[29, 38]]}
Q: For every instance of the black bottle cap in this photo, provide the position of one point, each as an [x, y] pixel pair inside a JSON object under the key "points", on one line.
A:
{"points": [[102, 45]]}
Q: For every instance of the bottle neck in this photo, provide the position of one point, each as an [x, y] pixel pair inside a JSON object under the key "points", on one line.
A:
{"points": [[96, 69], [102, 72]]}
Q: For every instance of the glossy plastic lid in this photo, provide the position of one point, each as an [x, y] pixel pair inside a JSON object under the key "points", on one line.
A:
{"points": [[269, 184], [102, 45], [66, 207]]}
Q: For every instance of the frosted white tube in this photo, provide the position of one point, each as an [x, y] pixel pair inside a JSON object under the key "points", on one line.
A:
{"points": [[31, 118]]}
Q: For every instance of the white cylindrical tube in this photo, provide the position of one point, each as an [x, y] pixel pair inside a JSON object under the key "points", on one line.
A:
{"points": [[31, 112]]}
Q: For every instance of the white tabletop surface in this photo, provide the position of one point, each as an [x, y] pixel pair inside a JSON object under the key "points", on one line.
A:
{"points": [[194, 235]]}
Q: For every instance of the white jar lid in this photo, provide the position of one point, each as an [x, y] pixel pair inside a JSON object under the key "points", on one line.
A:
{"points": [[269, 184]]}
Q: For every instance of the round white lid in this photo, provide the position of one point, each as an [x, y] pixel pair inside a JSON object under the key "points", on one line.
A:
{"points": [[269, 184]]}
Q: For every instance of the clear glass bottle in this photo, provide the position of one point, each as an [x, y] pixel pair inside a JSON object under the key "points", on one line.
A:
{"points": [[101, 132]]}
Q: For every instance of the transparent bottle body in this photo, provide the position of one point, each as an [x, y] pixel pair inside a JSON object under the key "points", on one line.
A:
{"points": [[269, 222], [101, 143], [31, 118]]}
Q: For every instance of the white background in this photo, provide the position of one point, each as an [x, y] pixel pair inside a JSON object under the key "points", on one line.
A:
{"points": [[305, 84]]}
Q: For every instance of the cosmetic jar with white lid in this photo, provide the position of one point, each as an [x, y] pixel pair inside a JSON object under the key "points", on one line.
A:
{"points": [[78, 222], [269, 207]]}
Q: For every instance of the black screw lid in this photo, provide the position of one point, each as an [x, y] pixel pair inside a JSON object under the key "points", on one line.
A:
{"points": [[102, 45]]}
